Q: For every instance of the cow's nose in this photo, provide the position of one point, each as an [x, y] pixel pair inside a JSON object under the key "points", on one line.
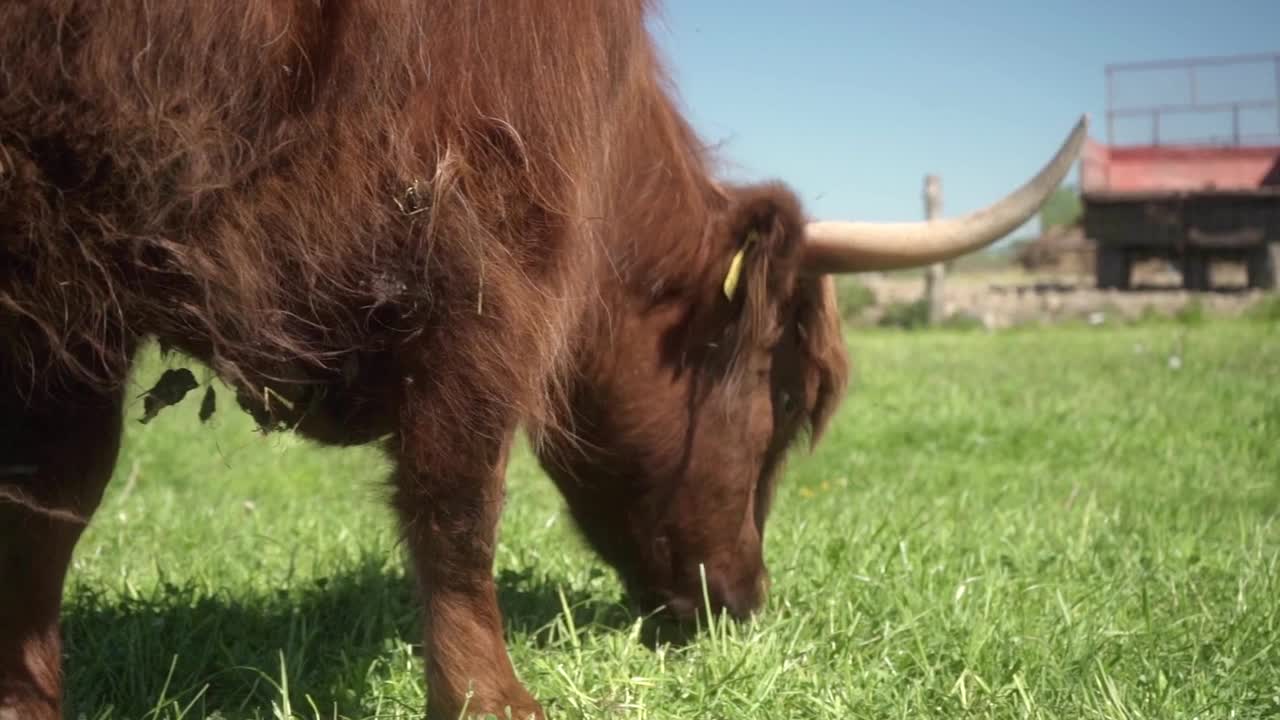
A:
{"points": [[740, 599]]}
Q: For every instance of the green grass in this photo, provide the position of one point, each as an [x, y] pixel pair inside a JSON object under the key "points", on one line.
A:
{"points": [[1032, 524]]}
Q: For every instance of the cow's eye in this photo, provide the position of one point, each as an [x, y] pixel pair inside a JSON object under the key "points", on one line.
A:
{"points": [[784, 399]]}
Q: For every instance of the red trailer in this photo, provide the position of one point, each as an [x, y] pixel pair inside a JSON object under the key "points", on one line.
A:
{"points": [[1189, 200]]}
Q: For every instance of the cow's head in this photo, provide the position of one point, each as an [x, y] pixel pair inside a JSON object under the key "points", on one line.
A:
{"points": [[687, 400]]}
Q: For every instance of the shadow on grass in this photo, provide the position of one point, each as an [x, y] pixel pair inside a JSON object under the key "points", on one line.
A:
{"points": [[339, 639]]}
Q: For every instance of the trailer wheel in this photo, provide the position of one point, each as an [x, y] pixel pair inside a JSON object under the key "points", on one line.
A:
{"points": [[1112, 267], [1261, 268], [1195, 271]]}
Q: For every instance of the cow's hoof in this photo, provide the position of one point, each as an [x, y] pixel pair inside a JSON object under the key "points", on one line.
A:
{"points": [[514, 711], [519, 707]]}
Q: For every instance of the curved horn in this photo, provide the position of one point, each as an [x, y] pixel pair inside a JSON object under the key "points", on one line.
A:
{"points": [[846, 247]]}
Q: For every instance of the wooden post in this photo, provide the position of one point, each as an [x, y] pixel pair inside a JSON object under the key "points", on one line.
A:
{"points": [[936, 274]]}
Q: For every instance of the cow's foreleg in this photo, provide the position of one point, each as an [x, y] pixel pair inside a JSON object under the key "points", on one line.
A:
{"points": [[449, 490], [55, 460]]}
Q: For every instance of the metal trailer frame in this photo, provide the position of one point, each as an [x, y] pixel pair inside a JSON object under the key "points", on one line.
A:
{"points": [[1189, 200], [1196, 105]]}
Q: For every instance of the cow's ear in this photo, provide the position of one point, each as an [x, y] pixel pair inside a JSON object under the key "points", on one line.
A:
{"points": [[766, 232]]}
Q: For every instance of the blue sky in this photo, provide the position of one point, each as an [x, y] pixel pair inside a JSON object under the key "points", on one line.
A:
{"points": [[853, 102]]}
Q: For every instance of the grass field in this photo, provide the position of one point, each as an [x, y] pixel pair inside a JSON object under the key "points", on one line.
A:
{"points": [[1048, 523]]}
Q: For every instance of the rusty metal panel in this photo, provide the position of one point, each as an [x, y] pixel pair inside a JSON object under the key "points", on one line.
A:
{"points": [[1155, 169]]}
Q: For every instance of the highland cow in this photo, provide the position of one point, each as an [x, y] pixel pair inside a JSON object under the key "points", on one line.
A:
{"points": [[426, 225]]}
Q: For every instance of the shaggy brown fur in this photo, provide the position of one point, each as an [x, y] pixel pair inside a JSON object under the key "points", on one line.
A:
{"points": [[433, 221], [299, 180]]}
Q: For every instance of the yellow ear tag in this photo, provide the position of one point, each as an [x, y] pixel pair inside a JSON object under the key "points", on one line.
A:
{"points": [[735, 267], [735, 270]]}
